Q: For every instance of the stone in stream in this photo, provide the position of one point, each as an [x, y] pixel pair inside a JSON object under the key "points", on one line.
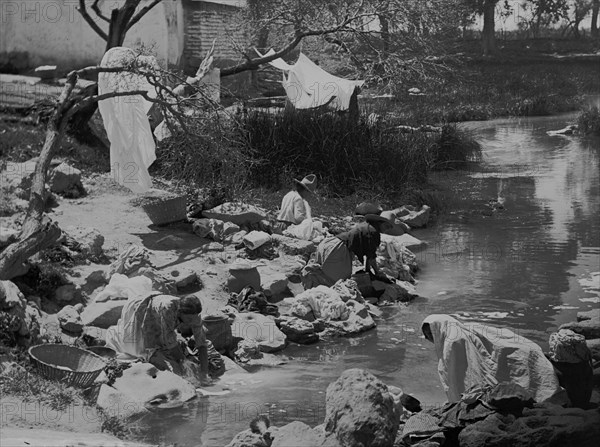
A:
{"points": [[590, 329], [297, 330], [360, 410], [593, 314]]}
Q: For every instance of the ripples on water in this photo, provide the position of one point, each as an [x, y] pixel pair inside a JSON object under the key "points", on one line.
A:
{"points": [[529, 267]]}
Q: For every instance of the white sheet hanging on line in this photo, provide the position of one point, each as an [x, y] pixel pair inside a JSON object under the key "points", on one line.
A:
{"points": [[308, 86], [132, 148]]}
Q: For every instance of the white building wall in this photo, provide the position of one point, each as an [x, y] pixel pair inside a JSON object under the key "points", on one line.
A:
{"points": [[53, 31]]}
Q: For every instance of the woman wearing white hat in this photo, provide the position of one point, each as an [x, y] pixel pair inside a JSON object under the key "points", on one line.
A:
{"points": [[294, 206]]}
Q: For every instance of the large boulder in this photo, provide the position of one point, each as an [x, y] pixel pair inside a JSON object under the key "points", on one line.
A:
{"points": [[104, 314], [89, 239], [292, 246], [297, 330], [273, 283], [143, 387], [590, 329], [546, 425], [66, 293], [7, 236], [237, 213], [256, 327], [66, 180], [360, 410], [70, 320]]}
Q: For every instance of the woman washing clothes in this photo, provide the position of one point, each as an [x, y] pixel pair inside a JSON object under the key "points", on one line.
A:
{"points": [[477, 355], [335, 254], [147, 330], [294, 206]]}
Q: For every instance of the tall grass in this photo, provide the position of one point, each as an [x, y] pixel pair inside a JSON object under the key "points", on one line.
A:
{"points": [[588, 121], [266, 149]]}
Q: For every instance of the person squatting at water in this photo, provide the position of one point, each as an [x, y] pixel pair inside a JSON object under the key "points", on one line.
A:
{"points": [[334, 254], [294, 206], [147, 330], [477, 355]]}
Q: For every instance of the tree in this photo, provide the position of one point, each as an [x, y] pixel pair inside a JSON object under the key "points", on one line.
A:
{"points": [[580, 9], [545, 12], [595, 8], [121, 19]]}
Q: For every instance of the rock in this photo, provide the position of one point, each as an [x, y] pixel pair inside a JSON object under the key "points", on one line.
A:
{"points": [[292, 246], [298, 330], [93, 280], [183, 277], [417, 219], [247, 350], [20, 319], [593, 314], [273, 283], [213, 246], [66, 293], [7, 236], [235, 238], [248, 439], [143, 387], [160, 282], [359, 320], [298, 434], [546, 425], [89, 239], [65, 179], [360, 410], [410, 242], [402, 291], [594, 346], [103, 315], [256, 327], [590, 329], [70, 320], [237, 213]]}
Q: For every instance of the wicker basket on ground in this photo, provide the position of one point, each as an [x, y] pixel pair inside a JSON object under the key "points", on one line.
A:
{"points": [[74, 366]]}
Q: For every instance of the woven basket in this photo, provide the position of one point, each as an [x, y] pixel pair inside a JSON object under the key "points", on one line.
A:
{"points": [[166, 211], [74, 366]]}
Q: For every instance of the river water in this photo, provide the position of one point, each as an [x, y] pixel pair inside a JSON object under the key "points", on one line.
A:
{"points": [[530, 267]]}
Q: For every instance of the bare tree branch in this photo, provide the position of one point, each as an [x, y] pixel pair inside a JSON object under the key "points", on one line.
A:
{"points": [[98, 12], [83, 11], [142, 12]]}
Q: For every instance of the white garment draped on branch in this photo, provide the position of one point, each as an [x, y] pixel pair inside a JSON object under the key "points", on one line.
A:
{"points": [[308, 86], [132, 148]]}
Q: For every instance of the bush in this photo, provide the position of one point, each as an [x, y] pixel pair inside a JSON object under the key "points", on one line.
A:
{"points": [[455, 148], [588, 121]]}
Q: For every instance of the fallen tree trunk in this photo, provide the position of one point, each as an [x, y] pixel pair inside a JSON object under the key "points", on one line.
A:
{"points": [[38, 231]]}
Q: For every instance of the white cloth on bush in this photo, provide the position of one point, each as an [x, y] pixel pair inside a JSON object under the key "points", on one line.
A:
{"points": [[132, 148], [308, 86], [476, 354]]}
